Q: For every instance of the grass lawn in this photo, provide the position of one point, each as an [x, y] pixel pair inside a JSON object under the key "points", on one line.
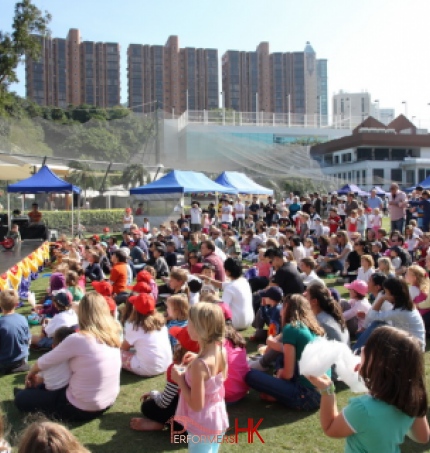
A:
{"points": [[282, 429]]}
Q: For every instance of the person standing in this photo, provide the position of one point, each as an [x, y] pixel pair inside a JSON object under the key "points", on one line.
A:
{"points": [[254, 207], [397, 203], [196, 217], [374, 201], [351, 204], [239, 213], [269, 210]]}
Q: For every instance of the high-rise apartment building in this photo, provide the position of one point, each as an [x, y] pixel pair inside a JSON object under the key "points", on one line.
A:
{"points": [[322, 90], [274, 82], [70, 71], [351, 109], [174, 78]]}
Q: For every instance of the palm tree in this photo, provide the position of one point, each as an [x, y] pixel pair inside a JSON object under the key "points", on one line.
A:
{"points": [[83, 176], [134, 175]]}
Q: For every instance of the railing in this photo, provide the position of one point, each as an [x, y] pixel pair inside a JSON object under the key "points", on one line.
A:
{"points": [[266, 119]]}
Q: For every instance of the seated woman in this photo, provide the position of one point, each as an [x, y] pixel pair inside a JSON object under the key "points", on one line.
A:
{"points": [[289, 387], [328, 312], [404, 315], [94, 358]]}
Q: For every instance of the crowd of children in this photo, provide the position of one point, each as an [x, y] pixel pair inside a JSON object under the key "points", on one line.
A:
{"points": [[165, 287]]}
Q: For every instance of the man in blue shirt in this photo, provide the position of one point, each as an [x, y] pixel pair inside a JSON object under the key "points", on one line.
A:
{"points": [[374, 201]]}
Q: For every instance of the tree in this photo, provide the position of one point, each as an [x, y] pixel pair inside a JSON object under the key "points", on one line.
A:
{"points": [[82, 176], [28, 22], [134, 175]]}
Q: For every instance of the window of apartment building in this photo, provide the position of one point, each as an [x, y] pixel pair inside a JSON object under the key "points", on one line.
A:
{"points": [[378, 176], [396, 175], [336, 160], [363, 176], [362, 105]]}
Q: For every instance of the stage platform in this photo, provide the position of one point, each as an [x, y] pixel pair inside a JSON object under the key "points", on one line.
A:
{"points": [[9, 258]]}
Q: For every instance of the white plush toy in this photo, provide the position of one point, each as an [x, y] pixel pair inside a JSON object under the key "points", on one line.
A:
{"points": [[321, 354]]}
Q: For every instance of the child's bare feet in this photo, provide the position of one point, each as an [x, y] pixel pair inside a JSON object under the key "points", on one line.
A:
{"points": [[145, 424]]}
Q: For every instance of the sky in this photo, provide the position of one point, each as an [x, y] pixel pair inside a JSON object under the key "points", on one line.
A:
{"points": [[379, 46]]}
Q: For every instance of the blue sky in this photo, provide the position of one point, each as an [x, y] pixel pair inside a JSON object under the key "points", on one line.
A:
{"points": [[381, 46]]}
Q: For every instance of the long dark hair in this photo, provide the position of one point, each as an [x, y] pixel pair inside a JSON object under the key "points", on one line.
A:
{"points": [[393, 370], [298, 311], [400, 291], [327, 303]]}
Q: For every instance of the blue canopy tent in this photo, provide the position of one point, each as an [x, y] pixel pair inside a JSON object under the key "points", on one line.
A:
{"points": [[380, 192], [180, 182], [44, 181], [352, 188], [425, 184], [174, 186], [241, 183]]}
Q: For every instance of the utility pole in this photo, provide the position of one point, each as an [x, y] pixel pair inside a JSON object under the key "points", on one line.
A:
{"points": [[157, 136]]}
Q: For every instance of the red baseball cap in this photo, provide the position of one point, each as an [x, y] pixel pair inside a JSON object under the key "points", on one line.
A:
{"points": [[144, 230], [96, 237], [182, 335], [143, 303], [111, 304], [103, 288], [140, 287], [143, 276], [106, 229]]}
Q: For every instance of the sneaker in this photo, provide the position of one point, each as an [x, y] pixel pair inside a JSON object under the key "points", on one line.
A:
{"points": [[24, 367], [256, 365]]}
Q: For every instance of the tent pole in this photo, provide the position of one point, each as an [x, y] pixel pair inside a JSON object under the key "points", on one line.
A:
{"points": [[8, 211], [73, 223], [216, 208]]}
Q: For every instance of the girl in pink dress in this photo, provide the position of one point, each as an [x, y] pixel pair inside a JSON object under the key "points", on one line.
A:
{"points": [[201, 408]]}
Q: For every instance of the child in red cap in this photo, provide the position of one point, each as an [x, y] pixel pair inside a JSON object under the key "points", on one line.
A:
{"points": [[145, 331], [159, 407]]}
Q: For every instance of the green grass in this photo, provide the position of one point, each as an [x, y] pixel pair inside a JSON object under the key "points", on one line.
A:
{"points": [[282, 429]]}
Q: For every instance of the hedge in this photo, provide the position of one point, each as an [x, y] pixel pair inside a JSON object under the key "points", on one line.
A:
{"points": [[92, 219]]}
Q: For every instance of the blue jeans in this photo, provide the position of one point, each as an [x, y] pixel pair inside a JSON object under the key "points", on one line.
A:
{"points": [[290, 393], [397, 225], [364, 336]]}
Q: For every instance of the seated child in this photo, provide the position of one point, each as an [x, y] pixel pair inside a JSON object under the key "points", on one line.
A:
{"points": [[235, 386], [208, 270], [57, 282], [58, 376], [171, 256], [145, 331], [268, 314], [72, 282], [194, 285], [177, 313], [358, 303], [14, 233], [366, 269], [14, 335], [148, 276], [93, 272], [159, 407], [65, 317]]}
